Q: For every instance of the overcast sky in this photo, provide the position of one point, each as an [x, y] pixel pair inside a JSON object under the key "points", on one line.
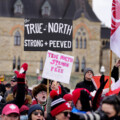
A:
{"points": [[102, 9]]}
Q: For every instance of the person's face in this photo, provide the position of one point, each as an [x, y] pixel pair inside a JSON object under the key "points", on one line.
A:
{"points": [[12, 116], [108, 110], [37, 115], [88, 75], [65, 115], [13, 83], [54, 85], [41, 96], [78, 105]]}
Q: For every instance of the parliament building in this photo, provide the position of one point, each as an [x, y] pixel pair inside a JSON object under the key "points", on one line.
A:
{"points": [[90, 46]]}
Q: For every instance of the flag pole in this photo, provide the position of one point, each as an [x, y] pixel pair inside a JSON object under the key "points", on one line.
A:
{"points": [[110, 70]]}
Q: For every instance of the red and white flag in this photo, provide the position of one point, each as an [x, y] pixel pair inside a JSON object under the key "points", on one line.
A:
{"points": [[115, 28]]}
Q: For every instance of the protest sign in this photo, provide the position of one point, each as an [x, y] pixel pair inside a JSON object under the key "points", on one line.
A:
{"points": [[58, 67], [47, 34]]}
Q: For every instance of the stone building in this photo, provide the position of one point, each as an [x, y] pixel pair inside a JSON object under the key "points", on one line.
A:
{"points": [[90, 38]]}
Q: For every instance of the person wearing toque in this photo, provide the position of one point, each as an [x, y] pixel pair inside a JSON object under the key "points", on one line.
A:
{"points": [[87, 83], [60, 108], [36, 112]]}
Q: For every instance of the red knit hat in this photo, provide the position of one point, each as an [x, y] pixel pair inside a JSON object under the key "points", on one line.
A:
{"points": [[76, 94], [58, 104], [68, 97]]}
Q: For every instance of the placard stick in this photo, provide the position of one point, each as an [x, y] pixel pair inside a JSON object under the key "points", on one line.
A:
{"points": [[47, 87], [110, 70]]}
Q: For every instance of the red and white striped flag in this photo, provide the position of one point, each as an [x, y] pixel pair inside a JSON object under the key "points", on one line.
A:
{"points": [[115, 28]]}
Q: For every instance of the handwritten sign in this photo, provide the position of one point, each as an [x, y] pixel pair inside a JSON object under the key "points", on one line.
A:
{"points": [[58, 67], [48, 34]]}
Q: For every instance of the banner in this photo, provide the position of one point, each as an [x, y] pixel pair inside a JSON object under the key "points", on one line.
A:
{"points": [[115, 28], [47, 34], [96, 82], [58, 67]]}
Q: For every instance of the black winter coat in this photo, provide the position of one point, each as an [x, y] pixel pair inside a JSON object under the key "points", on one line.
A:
{"points": [[86, 84], [89, 84]]}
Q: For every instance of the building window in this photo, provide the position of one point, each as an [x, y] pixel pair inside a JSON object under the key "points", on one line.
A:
{"points": [[18, 7], [17, 39], [103, 43], [18, 63], [14, 62], [76, 42], [77, 65], [81, 42], [41, 64], [83, 64], [84, 43], [81, 35]]}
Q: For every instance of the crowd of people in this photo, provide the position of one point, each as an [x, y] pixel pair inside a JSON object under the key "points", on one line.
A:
{"points": [[18, 102]]}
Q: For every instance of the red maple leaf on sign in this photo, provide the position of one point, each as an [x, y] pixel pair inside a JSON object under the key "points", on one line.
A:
{"points": [[115, 15]]}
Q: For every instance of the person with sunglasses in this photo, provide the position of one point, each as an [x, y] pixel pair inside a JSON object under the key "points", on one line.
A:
{"points": [[60, 109], [36, 112]]}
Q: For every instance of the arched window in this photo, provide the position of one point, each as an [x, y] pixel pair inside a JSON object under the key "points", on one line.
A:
{"points": [[83, 64], [77, 65], [76, 42], [81, 42], [14, 62], [41, 64], [84, 43], [18, 63], [17, 39]]}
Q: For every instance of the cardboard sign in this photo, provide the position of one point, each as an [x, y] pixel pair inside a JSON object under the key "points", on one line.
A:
{"points": [[58, 67], [47, 34]]}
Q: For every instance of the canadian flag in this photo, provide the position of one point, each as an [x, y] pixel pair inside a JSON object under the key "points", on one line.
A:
{"points": [[115, 28]]}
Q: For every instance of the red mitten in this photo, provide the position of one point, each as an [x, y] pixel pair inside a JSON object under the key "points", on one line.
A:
{"points": [[22, 72]]}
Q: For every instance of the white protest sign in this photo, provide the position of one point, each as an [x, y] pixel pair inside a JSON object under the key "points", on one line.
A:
{"points": [[58, 67]]}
